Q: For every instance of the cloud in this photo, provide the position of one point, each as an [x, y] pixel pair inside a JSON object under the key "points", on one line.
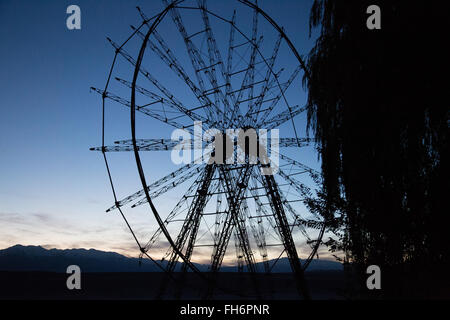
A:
{"points": [[53, 231], [50, 230]]}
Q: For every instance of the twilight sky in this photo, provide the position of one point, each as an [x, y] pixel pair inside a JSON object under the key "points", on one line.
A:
{"points": [[53, 190]]}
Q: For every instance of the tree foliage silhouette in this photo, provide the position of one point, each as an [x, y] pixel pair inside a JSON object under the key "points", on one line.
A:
{"points": [[378, 109]]}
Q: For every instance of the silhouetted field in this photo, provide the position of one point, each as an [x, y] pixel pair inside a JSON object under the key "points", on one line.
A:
{"points": [[49, 285]]}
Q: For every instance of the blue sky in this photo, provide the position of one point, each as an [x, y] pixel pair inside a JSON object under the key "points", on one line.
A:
{"points": [[53, 190]]}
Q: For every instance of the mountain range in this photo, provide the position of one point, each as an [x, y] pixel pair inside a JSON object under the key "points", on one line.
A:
{"points": [[37, 258]]}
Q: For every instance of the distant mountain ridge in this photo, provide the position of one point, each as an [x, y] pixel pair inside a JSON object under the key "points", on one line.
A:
{"points": [[37, 258]]}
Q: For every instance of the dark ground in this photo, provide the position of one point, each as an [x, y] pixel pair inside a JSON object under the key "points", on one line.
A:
{"points": [[323, 285]]}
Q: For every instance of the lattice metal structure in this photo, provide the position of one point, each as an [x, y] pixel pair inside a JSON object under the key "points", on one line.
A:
{"points": [[231, 75]]}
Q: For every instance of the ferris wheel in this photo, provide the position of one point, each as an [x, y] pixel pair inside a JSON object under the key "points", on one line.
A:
{"points": [[205, 69]]}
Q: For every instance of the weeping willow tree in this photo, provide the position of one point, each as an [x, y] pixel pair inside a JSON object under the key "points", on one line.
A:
{"points": [[378, 110]]}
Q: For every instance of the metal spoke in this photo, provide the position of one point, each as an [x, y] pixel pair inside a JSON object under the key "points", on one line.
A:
{"points": [[153, 114], [197, 61], [280, 94], [157, 84], [171, 176], [266, 85], [167, 56], [284, 116], [166, 188]]}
